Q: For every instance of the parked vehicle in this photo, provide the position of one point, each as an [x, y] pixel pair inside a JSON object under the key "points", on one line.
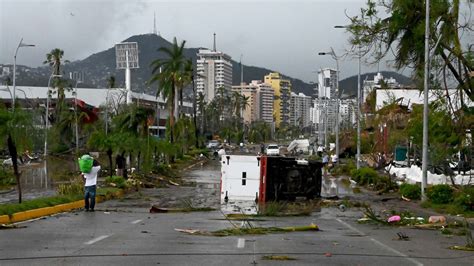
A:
{"points": [[213, 144], [273, 150]]}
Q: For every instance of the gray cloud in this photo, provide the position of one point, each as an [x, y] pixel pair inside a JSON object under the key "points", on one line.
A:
{"points": [[281, 35]]}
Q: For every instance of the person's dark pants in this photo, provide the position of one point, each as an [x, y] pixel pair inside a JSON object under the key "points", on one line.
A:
{"points": [[89, 195]]}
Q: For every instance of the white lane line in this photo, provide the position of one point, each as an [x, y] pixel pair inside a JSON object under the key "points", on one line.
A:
{"points": [[351, 227], [380, 243], [97, 239], [396, 252], [136, 221], [241, 243]]}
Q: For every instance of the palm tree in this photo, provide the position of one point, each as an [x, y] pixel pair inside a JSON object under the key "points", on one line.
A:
{"points": [[53, 59], [170, 74]]}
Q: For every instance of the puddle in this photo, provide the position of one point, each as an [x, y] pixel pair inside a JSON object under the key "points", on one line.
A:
{"points": [[240, 207], [332, 186]]}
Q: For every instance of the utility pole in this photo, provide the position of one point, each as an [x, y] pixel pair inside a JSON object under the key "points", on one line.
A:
{"points": [[424, 167]]}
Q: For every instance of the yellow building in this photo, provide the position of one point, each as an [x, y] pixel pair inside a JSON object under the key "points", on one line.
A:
{"points": [[281, 102]]}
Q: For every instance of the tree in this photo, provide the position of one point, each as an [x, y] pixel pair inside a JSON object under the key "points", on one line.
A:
{"points": [[171, 74], [17, 129], [53, 59], [404, 29]]}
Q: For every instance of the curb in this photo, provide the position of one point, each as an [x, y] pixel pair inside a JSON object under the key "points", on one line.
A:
{"points": [[36, 213]]}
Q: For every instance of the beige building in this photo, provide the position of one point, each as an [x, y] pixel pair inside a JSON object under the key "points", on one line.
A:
{"points": [[260, 103]]}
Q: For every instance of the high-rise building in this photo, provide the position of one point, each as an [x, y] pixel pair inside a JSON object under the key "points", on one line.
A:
{"points": [[300, 106], [281, 102], [214, 70], [327, 80], [260, 101]]}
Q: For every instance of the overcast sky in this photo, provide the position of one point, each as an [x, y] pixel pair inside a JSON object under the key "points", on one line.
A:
{"points": [[281, 35]]}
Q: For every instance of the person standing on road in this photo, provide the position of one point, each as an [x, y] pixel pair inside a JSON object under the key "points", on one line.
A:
{"points": [[90, 186]]}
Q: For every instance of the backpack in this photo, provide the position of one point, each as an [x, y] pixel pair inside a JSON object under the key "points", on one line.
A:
{"points": [[85, 163]]}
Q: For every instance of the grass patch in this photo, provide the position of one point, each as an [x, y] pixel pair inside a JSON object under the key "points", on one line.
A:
{"points": [[103, 191], [449, 208], [11, 208], [277, 257]]}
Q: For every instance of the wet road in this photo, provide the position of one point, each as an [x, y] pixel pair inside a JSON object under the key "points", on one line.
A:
{"points": [[123, 232]]}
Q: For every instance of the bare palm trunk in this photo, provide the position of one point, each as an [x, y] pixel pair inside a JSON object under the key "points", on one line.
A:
{"points": [[13, 153]]}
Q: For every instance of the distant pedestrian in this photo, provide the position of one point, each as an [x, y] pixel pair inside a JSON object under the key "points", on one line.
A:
{"points": [[90, 186], [120, 163], [334, 159], [262, 148], [325, 159]]}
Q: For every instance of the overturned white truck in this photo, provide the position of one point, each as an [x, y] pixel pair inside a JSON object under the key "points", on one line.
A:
{"points": [[268, 178]]}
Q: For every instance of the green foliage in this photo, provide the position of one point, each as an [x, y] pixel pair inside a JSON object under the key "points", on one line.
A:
{"points": [[344, 168], [465, 198], [6, 177], [442, 132], [364, 176], [410, 191], [440, 194], [117, 181]]}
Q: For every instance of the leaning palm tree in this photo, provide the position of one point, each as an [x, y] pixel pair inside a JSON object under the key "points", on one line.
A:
{"points": [[169, 73]]}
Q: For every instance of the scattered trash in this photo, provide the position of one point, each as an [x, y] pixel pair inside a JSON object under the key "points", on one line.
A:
{"points": [[188, 231], [394, 219], [342, 208], [144, 232], [402, 236], [107, 212], [437, 219], [463, 248], [363, 220], [328, 254], [405, 199]]}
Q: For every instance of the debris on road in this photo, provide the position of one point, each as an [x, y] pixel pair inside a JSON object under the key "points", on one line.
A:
{"points": [[277, 257], [394, 219], [250, 231], [437, 219], [402, 236]]}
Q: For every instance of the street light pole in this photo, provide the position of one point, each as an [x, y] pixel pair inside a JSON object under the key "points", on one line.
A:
{"points": [[358, 100], [424, 167], [334, 56], [358, 111], [47, 114], [21, 44]]}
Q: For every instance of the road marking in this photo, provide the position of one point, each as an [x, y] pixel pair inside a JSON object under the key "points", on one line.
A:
{"points": [[380, 243], [97, 239], [241, 243], [136, 221], [351, 227], [396, 252]]}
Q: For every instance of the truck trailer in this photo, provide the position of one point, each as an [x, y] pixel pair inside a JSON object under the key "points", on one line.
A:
{"points": [[268, 178]]}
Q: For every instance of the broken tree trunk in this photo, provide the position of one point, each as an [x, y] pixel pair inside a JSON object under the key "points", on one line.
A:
{"points": [[14, 155]]}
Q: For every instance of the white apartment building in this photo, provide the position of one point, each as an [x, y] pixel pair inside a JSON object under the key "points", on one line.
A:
{"points": [[327, 83], [300, 106], [214, 70], [347, 113], [376, 83], [260, 101]]}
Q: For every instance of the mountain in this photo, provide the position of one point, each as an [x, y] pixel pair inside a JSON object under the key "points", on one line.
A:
{"points": [[349, 85], [99, 66]]}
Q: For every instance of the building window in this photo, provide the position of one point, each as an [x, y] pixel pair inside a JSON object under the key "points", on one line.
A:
{"points": [[244, 178]]}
